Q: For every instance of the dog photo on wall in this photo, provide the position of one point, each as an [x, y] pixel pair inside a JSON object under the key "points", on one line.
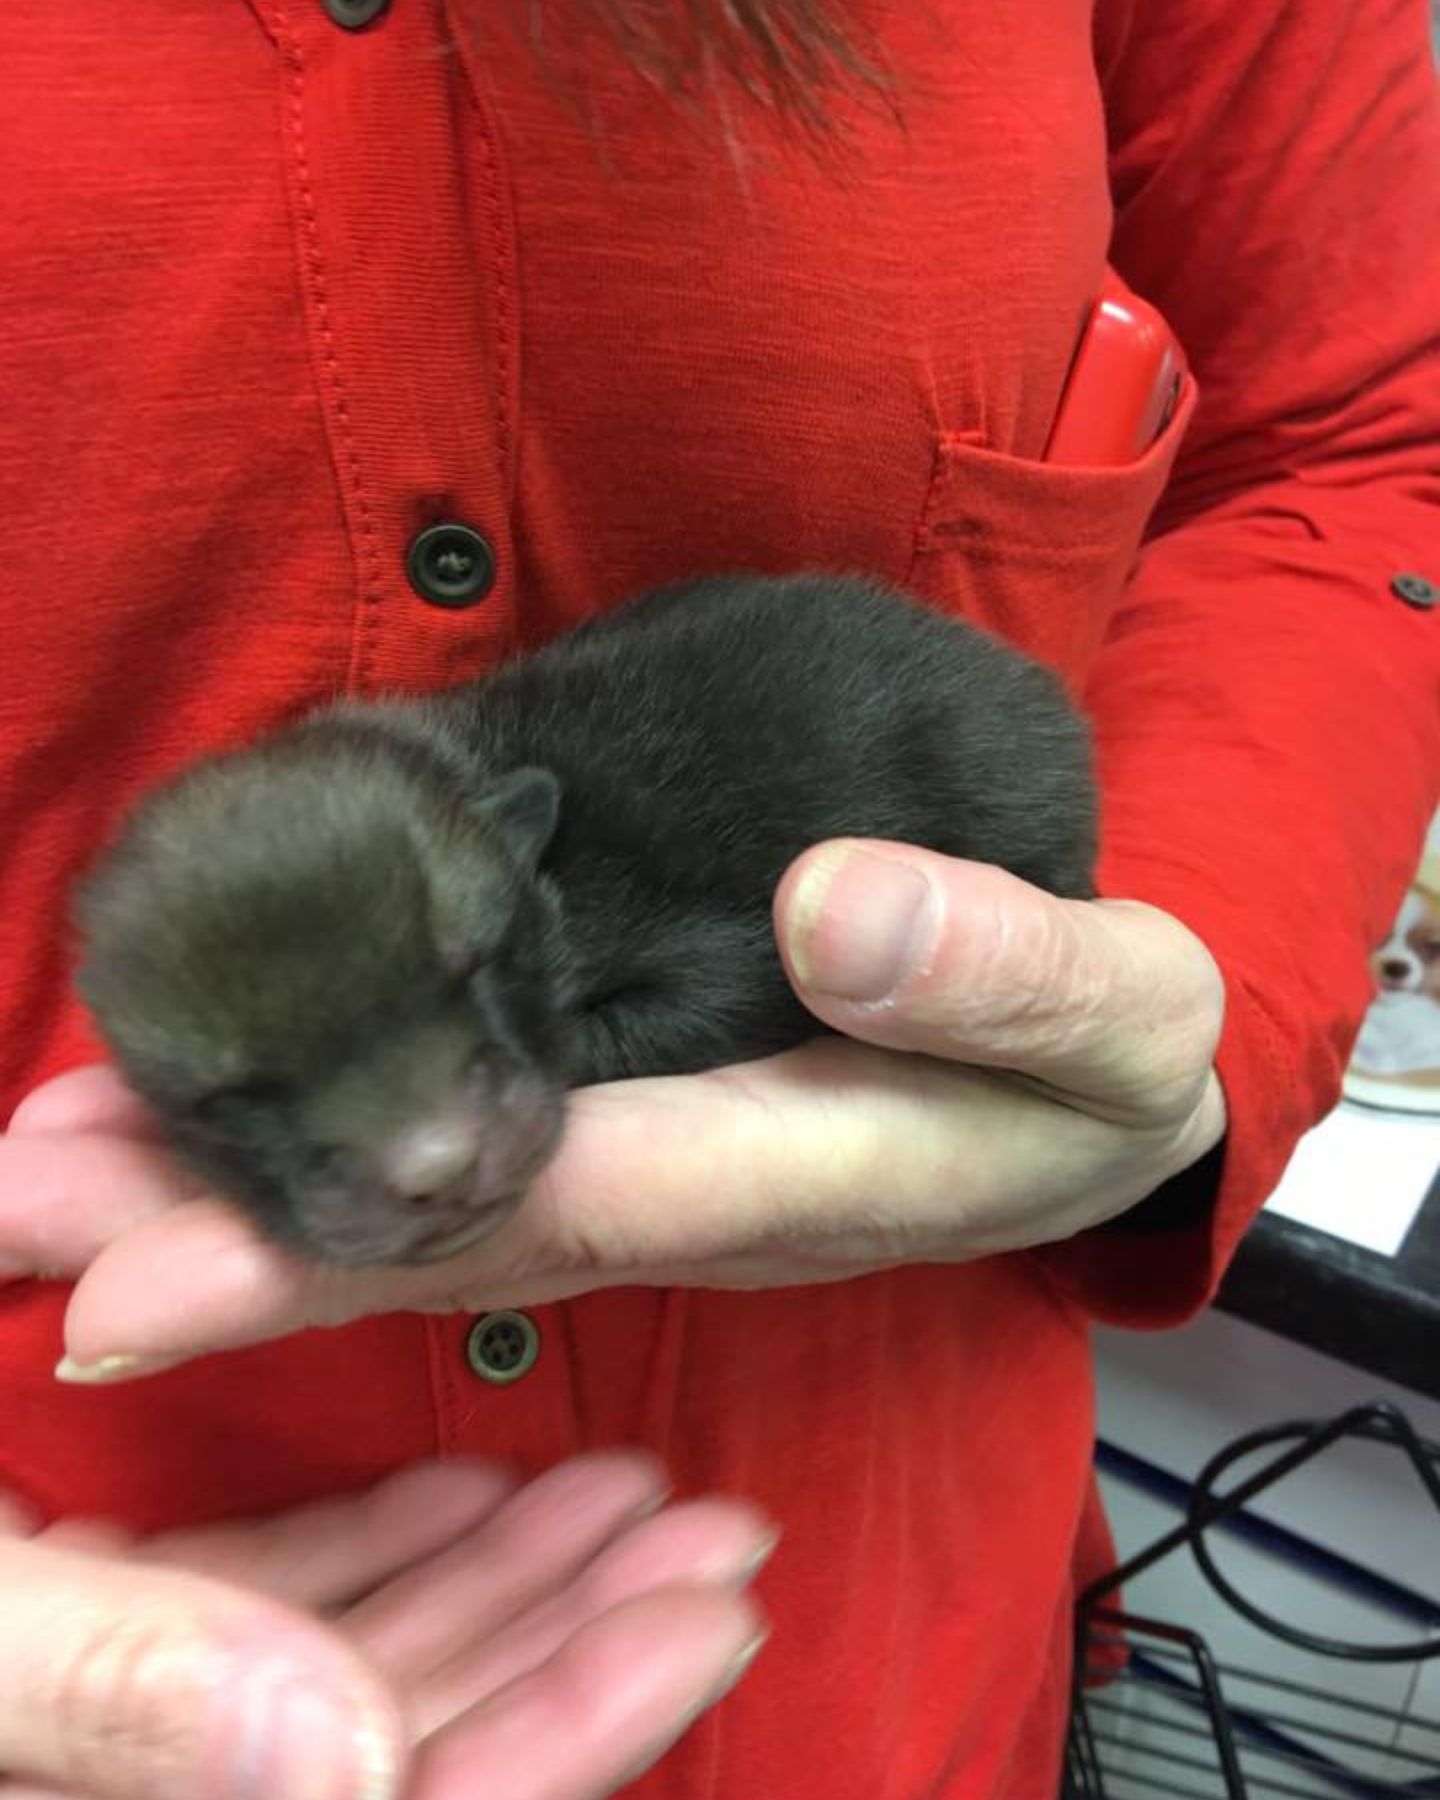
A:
{"points": [[1396, 1061]]}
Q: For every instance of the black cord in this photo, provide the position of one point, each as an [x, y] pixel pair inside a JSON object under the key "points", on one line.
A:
{"points": [[1379, 1423]]}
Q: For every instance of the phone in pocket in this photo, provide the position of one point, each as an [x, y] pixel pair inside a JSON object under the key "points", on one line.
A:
{"points": [[1123, 385]]}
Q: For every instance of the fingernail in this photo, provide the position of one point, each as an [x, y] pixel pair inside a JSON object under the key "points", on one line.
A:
{"points": [[306, 1745], [107, 1368], [654, 1503], [860, 924], [736, 1669], [760, 1554]]}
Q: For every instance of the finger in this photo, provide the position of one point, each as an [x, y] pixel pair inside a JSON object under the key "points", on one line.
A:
{"points": [[126, 1683], [1111, 1002], [64, 1197], [332, 1552], [829, 1160], [532, 1545], [605, 1707], [744, 1177], [653, 1180], [200, 1278], [128, 1317], [703, 1543], [92, 1099]]}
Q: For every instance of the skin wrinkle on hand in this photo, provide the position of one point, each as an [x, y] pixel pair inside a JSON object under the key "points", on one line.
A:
{"points": [[158, 1669]]}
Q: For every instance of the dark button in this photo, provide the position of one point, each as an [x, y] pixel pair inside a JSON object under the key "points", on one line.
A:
{"points": [[352, 14], [503, 1346], [1415, 590], [450, 565]]}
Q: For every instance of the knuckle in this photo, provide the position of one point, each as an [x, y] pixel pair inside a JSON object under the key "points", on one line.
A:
{"points": [[1054, 991], [124, 1705]]}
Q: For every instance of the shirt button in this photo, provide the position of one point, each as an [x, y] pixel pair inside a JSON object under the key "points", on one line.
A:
{"points": [[503, 1346], [450, 564], [352, 14], [1415, 590]]}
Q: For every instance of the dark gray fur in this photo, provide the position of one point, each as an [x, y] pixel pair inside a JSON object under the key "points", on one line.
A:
{"points": [[452, 908]]}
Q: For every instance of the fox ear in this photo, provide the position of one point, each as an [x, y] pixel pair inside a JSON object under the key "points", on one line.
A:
{"points": [[525, 804]]}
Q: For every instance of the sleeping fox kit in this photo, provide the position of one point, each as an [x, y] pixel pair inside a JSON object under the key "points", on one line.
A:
{"points": [[356, 967]]}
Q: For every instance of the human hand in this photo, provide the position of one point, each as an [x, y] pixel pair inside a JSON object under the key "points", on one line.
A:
{"points": [[1059, 1069], [447, 1633]]}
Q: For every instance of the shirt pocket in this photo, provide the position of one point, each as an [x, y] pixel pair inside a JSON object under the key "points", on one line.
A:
{"points": [[1038, 552]]}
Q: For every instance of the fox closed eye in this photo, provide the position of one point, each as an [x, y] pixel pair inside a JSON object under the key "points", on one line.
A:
{"points": [[258, 1093]]}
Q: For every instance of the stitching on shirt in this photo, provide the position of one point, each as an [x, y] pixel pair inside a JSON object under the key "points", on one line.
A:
{"points": [[503, 321], [347, 459], [442, 1355], [505, 272]]}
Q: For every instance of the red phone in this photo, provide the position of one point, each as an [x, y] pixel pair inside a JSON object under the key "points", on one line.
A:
{"points": [[1123, 386]]}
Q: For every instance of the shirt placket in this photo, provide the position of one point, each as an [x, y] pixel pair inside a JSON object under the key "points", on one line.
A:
{"points": [[405, 259]]}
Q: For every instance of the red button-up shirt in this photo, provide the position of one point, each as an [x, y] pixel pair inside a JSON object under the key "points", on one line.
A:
{"points": [[277, 294]]}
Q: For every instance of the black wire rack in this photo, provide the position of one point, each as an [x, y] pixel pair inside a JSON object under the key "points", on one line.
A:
{"points": [[1213, 1730]]}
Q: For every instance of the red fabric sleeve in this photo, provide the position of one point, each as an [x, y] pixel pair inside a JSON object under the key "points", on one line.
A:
{"points": [[1266, 705]]}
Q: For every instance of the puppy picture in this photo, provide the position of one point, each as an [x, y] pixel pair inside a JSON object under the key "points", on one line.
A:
{"points": [[1396, 1060], [1408, 962]]}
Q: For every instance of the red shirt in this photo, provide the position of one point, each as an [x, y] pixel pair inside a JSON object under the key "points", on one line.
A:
{"points": [[277, 294]]}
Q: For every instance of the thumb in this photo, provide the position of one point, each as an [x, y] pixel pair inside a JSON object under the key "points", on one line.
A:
{"points": [[129, 1682], [1113, 1005]]}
